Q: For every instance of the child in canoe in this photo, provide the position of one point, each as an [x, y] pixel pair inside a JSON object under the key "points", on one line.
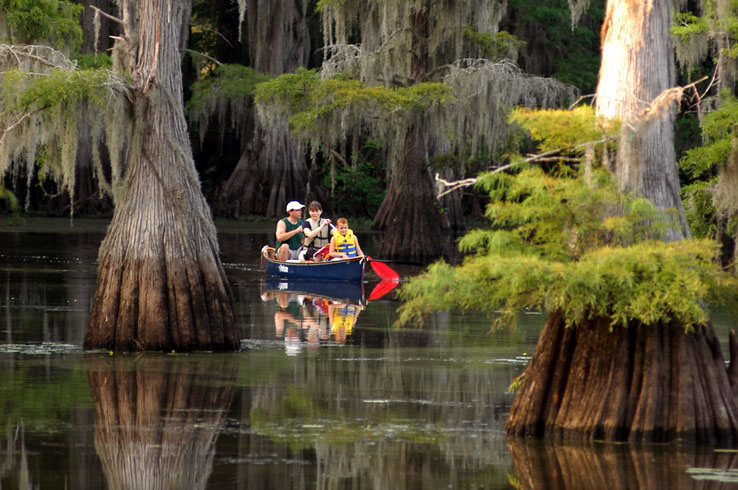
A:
{"points": [[344, 244]]}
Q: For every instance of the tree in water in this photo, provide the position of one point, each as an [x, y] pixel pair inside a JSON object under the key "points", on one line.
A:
{"points": [[627, 352], [409, 54], [160, 281]]}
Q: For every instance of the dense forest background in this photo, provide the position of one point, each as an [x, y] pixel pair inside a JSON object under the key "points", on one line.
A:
{"points": [[231, 48], [251, 168]]}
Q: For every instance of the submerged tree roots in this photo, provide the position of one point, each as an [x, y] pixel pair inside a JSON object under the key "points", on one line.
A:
{"points": [[654, 383]]}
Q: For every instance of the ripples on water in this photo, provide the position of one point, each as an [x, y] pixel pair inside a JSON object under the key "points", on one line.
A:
{"points": [[303, 405]]}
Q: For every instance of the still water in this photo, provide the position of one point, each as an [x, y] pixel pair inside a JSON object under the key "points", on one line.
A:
{"points": [[325, 394]]}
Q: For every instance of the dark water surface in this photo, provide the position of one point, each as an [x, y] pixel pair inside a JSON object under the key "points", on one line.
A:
{"points": [[325, 394]]}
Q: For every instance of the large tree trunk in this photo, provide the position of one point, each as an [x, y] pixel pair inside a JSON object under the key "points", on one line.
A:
{"points": [[411, 222], [273, 168], [637, 66], [160, 282], [640, 383], [653, 383]]}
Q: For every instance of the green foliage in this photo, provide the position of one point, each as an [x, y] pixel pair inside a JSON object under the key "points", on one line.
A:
{"points": [[309, 98], [233, 82], [702, 165], [496, 45], [53, 21], [687, 25], [9, 198], [555, 47], [93, 61], [21, 92], [565, 240], [562, 129], [361, 186]]}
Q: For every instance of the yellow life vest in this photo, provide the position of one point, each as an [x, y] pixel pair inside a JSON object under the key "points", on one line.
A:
{"points": [[345, 243]]}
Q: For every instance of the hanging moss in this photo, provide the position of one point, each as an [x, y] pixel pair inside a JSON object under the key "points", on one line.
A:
{"points": [[41, 96], [224, 94]]}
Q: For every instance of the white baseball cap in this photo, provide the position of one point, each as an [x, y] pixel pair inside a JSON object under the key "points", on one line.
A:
{"points": [[294, 205]]}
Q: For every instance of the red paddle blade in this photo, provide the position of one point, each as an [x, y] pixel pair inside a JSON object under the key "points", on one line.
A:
{"points": [[382, 288], [385, 272]]}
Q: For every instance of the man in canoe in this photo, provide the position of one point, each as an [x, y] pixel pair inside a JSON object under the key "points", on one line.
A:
{"points": [[289, 233]]}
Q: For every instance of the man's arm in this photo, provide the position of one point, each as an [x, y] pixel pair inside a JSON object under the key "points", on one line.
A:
{"points": [[282, 235]]}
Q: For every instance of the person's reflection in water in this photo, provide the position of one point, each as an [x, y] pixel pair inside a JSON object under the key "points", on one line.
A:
{"points": [[342, 319], [157, 417], [294, 321]]}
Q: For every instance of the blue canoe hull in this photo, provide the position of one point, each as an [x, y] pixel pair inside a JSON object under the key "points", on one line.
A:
{"points": [[334, 270]]}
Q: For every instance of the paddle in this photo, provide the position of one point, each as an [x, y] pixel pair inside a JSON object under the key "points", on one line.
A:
{"points": [[385, 272], [383, 287]]}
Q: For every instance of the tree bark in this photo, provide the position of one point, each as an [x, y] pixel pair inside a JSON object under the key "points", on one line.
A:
{"points": [[272, 169], [637, 66], [411, 222], [644, 383], [160, 282]]}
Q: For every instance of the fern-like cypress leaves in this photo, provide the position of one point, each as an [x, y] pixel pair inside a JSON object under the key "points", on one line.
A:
{"points": [[564, 239]]}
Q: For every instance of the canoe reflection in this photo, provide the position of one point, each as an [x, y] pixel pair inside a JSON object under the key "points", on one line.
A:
{"points": [[157, 417], [310, 312]]}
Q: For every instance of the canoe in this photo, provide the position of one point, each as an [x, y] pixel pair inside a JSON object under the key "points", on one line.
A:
{"points": [[351, 270], [350, 292]]}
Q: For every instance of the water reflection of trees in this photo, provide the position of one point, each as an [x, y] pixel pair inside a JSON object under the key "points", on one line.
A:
{"points": [[554, 465], [46, 285], [389, 422], [157, 417], [15, 457]]}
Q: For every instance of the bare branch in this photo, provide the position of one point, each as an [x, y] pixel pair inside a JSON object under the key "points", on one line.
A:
{"points": [[338, 155], [444, 187], [198, 53], [107, 15], [204, 28]]}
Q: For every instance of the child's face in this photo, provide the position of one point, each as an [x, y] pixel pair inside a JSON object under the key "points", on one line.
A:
{"points": [[315, 213], [343, 228]]}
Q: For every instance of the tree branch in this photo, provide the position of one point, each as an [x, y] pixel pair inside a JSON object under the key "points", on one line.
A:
{"points": [[198, 53], [107, 16]]}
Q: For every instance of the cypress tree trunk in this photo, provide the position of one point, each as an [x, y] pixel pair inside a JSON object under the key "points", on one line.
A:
{"points": [[651, 383], [160, 282], [411, 222], [640, 383], [637, 66], [272, 169]]}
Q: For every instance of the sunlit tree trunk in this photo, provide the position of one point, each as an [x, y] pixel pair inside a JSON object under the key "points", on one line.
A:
{"points": [[272, 169], [640, 382], [160, 282], [637, 66]]}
